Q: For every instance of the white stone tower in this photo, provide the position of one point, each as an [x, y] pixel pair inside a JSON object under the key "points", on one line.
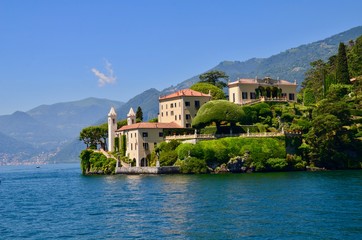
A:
{"points": [[131, 117], [112, 127]]}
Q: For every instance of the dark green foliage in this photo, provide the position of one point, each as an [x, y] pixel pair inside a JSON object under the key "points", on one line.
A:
{"points": [[315, 79], [96, 163], [85, 161], [287, 117], [153, 120], [355, 58], [308, 97], [139, 114], [193, 165], [116, 144], [121, 123], [187, 149], [94, 135], [277, 164], [123, 145], [213, 77], [216, 112], [217, 152], [207, 88], [167, 152], [251, 115], [342, 74], [168, 158]]}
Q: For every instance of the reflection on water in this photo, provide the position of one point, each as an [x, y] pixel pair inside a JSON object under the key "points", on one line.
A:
{"points": [[58, 202]]}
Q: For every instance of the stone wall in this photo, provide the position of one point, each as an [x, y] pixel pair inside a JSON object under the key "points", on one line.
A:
{"points": [[148, 170]]}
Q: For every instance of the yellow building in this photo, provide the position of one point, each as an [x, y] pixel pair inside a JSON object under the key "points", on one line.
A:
{"points": [[244, 91], [176, 112], [181, 107], [142, 138]]}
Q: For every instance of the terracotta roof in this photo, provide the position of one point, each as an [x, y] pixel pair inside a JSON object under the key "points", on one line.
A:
{"points": [[148, 125], [261, 81], [185, 93]]}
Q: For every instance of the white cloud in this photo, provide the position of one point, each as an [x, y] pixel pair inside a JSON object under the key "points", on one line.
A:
{"points": [[105, 78]]}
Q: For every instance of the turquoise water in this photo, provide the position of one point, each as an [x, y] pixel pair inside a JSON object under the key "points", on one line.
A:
{"points": [[57, 202]]}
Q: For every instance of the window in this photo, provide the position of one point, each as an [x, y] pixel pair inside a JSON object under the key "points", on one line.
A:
{"points": [[179, 117], [160, 134], [252, 95], [176, 117], [145, 146], [171, 113], [187, 104], [145, 134], [171, 105], [244, 95], [233, 97], [131, 135], [197, 104], [131, 146], [161, 114], [166, 114], [291, 96], [188, 116], [284, 95], [188, 125], [161, 106]]}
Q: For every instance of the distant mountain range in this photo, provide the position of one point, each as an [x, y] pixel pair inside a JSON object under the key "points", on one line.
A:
{"points": [[49, 132], [38, 134]]}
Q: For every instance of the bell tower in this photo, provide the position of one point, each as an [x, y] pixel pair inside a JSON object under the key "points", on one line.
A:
{"points": [[131, 117], [112, 127]]}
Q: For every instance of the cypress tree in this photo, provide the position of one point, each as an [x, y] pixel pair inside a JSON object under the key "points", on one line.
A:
{"points": [[139, 114], [342, 75]]}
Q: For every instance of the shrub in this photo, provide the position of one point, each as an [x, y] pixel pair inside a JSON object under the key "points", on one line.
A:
{"points": [[193, 165], [277, 164], [168, 158]]}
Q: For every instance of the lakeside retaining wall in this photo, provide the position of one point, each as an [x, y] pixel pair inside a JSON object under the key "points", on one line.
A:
{"points": [[148, 170]]}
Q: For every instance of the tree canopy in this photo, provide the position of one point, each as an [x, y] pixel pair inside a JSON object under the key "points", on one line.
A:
{"points": [[139, 114], [216, 112], [215, 77], [94, 135], [207, 88], [342, 74]]}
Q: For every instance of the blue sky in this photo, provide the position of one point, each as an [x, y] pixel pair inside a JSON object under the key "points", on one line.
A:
{"points": [[66, 50]]}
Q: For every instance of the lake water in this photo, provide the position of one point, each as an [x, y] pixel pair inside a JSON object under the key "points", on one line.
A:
{"points": [[57, 202]]}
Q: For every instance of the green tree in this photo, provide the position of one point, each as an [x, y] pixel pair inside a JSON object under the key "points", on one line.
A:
{"points": [[139, 114], [95, 135], [315, 79], [213, 77], [207, 88], [218, 111], [342, 74], [355, 58]]}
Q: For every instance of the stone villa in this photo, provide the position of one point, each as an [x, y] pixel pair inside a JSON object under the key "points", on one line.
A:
{"points": [[244, 91], [177, 110]]}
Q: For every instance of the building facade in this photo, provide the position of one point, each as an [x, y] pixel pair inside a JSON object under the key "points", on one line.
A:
{"points": [[181, 107], [176, 112], [142, 138], [244, 91]]}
